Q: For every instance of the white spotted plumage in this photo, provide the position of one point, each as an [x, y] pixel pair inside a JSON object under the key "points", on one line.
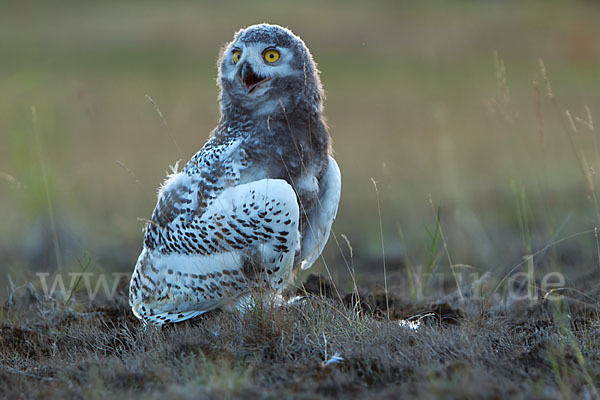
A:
{"points": [[255, 203]]}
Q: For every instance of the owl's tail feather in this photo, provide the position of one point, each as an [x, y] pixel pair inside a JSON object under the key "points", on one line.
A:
{"points": [[171, 318]]}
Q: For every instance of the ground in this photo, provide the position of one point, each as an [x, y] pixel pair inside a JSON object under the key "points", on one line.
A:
{"points": [[320, 346]]}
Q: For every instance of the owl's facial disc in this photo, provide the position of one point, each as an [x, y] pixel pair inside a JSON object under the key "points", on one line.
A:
{"points": [[250, 79]]}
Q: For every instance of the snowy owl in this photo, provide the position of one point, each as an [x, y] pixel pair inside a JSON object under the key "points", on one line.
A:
{"points": [[257, 201]]}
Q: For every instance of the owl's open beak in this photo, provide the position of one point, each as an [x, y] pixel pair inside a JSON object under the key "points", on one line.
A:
{"points": [[250, 79]]}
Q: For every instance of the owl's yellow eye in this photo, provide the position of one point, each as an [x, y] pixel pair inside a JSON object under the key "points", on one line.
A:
{"points": [[271, 56], [236, 56]]}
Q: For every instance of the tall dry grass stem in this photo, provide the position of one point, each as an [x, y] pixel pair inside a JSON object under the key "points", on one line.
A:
{"points": [[570, 130], [445, 243], [164, 121], [387, 301]]}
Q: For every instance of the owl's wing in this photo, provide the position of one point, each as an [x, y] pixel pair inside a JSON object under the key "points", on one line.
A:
{"points": [[316, 232], [185, 195], [204, 263]]}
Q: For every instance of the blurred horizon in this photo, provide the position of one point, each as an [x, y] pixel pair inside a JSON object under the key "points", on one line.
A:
{"points": [[434, 101]]}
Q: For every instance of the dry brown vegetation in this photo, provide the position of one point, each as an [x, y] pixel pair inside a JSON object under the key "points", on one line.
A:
{"points": [[467, 349]]}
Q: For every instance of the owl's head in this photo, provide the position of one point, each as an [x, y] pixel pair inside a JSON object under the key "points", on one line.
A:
{"points": [[266, 68]]}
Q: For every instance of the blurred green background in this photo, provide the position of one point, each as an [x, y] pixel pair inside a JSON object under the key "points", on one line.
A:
{"points": [[416, 100]]}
